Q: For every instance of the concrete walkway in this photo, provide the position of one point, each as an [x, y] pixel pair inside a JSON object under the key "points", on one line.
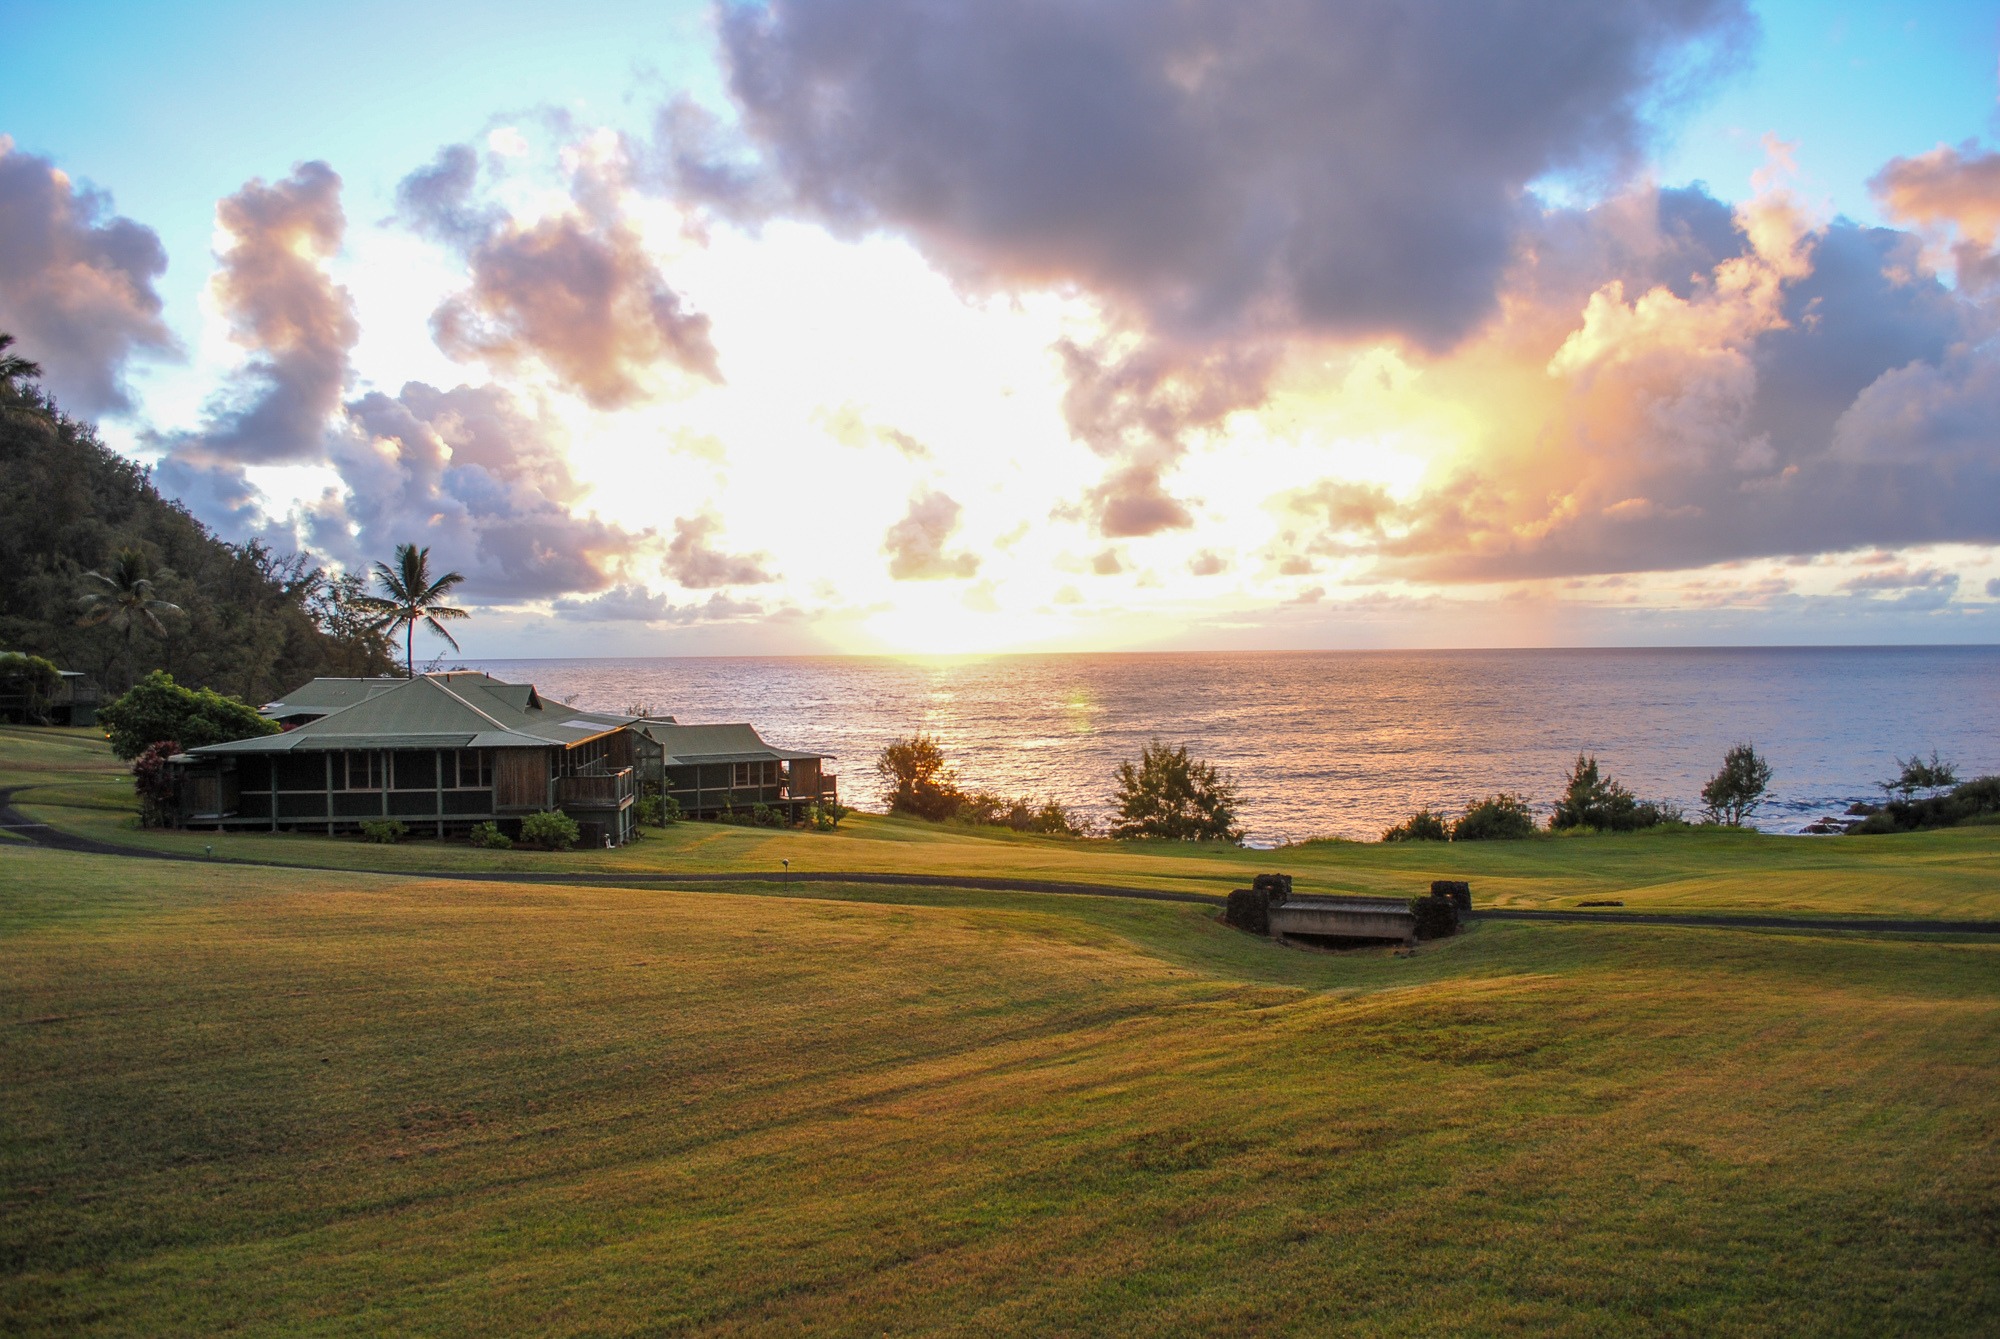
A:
{"points": [[57, 839]]}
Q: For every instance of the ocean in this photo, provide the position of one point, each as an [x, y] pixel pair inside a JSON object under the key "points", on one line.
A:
{"points": [[1348, 743]]}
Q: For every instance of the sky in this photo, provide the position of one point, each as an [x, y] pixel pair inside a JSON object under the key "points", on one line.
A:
{"points": [[944, 326]]}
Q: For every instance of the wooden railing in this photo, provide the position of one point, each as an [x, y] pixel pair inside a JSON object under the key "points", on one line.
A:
{"points": [[601, 790]]}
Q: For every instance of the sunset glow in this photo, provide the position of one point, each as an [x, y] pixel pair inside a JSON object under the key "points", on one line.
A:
{"points": [[701, 367]]}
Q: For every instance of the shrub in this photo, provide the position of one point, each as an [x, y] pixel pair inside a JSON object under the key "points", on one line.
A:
{"points": [[551, 829], [489, 836], [825, 817], [1594, 801], [1970, 802], [157, 708], [1738, 788], [155, 783], [1422, 826], [764, 816], [384, 831], [1437, 917], [657, 811], [1168, 794], [1497, 818]]}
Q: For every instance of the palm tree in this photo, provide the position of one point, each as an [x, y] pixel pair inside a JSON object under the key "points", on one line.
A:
{"points": [[124, 600], [413, 598], [13, 367]]}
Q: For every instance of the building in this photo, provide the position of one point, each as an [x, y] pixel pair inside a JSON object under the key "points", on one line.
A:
{"points": [[450, 750], [72, 700]]}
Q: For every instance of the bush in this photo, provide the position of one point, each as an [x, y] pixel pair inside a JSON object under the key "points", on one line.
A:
{"points": [[1168, 794], [1594, 801], [551, 829], [155, 783], [157, 708], [1971, 802], [1497, 818], [1437, 917], [384, 831], [825, 817], [1738, 788], [489, 837], [1422, 826], [657, 811]]}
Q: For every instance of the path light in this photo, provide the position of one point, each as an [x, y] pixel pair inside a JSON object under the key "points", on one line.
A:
{"points": [[788, 869], [208, 851]]}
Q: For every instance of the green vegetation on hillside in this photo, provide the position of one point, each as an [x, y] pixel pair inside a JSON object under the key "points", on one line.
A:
{"points": [[246, 621]]}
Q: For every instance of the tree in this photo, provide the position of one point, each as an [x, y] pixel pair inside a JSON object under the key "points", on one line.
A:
{"points": [[14, 368], [1168, 794], [413, 597], [1929, 775], [124, 600], [1591, 800], [919, 781], [1738, 788], [27, 683], [157, 708]]}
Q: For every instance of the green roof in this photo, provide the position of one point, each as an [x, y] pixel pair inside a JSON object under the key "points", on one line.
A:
{"points": [[460, 709], [328, 694], [468, 709]]}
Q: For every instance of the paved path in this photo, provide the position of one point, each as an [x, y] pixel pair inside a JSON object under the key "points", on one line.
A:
{"points": [[42, 834]]}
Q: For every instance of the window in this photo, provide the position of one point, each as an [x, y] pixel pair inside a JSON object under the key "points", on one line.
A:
{"points": [[474, 770], [357, 769], [415, 769]]}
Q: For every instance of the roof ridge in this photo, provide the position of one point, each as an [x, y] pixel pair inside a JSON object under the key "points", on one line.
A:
{"points": [[484, 715]]}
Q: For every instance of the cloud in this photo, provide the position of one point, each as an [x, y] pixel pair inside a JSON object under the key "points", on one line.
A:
{"points": [[298, 324], [916, 544], [636, 604], [1949, 192], [1356, 170], [575, 289], [1107, 563], [1207, 563], [1676, 384], [471, 471], [76, 283], [847, 425], [697, 564], [1901, 578]]}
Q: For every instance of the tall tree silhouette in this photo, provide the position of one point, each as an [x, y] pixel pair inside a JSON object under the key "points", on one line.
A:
{"points": [[123, 600], [413, 596]]}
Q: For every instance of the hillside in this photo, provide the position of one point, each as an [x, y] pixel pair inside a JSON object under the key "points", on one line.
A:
{"points": [[252, 623]]}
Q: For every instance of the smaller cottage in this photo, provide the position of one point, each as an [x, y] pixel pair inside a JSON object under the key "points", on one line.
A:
{"points": [[450, 750]]}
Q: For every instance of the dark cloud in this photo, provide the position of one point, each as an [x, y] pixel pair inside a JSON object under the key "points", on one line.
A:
{"points": [[694, 562], [1356, 170], [76, 283], [576, 290], [1107, 563], [1900, 578], [1207, 563], [916, 544], [298, 324]]}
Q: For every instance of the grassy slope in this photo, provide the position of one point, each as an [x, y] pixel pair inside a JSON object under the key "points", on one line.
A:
{"points": [[76, 784], [344, 1103]]}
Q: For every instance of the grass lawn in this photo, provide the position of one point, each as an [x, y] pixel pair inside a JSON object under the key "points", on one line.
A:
{"points": [[73, 781], [349, 1104]]}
